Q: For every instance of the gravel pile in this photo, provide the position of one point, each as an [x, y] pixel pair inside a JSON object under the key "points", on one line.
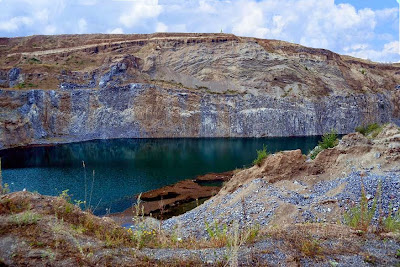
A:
{"points": [[259, 205]]}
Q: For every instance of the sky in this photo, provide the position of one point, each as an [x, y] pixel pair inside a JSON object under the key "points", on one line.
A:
{"points": [[367, 29]]}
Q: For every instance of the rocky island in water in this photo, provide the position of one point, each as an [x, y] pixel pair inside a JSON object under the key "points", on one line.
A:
{"points": [[337, 205]]}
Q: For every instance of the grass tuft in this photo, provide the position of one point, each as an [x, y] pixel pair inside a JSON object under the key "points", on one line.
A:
{"points": [[360, 216], [25, 218]]}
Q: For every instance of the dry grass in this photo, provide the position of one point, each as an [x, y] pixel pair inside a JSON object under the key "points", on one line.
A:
{"points": [[309, 240]]}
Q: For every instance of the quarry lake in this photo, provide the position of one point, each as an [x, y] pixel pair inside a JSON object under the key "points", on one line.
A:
{"points": [[118, 169]]}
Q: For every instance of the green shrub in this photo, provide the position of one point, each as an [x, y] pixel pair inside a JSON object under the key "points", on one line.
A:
{"points": [[329, 140], [372, 129], [261, 155]]}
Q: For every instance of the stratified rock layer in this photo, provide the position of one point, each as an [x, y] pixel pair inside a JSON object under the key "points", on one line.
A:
{"points": [[184, 85]]}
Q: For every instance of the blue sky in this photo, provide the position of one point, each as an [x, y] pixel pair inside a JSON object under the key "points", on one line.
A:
{"points": [[362, 28]]}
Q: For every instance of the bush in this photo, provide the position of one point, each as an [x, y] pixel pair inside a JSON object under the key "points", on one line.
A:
{"points": [[261, 155], [329, 140], [372, 129]]}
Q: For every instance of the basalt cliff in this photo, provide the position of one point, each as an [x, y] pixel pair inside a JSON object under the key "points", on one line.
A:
{"points": [[78, 87]]}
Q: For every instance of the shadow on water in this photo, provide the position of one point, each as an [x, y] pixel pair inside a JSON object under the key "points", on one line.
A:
{"points": [[126, 167]]}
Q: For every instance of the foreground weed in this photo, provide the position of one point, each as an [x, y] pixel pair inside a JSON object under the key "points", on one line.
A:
{"points": [[311, 247], [360, 216], [218, 234], [238, 238], [141, 236], [391, 223]]}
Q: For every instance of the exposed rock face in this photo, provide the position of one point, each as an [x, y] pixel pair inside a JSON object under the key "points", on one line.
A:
{"points": [[185, 85], [39, 116]]}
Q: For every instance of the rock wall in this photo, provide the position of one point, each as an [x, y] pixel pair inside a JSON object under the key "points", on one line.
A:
{"points": [[147, 111]]}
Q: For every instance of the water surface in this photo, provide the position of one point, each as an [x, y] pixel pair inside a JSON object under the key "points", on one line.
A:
{"points": [[123, 168]]}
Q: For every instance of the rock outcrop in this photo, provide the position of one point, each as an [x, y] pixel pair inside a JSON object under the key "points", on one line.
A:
{"points": [[144, 111], [185, 85]]}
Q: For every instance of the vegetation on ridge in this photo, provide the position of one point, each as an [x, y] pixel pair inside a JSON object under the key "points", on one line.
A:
{"points": [[261, 155], [329, 140], [372, 129]]}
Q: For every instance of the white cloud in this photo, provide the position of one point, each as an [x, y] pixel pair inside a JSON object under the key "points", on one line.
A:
{"points": [[42, 15], [50, 29], [389, 53], [15, 23], [116, 31], [251, 22], [82, 26], [139, 11], [161, 27], [206, 6]]}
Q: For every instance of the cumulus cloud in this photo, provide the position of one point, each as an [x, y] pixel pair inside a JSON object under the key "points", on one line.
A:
{"points": [[389, 53], [139, 11], [207, 6], [15, 23], [116, 31]]}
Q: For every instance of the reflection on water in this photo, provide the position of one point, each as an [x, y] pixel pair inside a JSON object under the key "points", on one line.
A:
{"points": [[125, 167]]}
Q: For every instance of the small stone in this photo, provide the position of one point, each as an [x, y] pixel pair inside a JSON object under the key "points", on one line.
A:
{"points": [[377, 155]]}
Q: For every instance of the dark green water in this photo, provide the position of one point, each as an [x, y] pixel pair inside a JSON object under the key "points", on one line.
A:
{"points": [[126, 167]]}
